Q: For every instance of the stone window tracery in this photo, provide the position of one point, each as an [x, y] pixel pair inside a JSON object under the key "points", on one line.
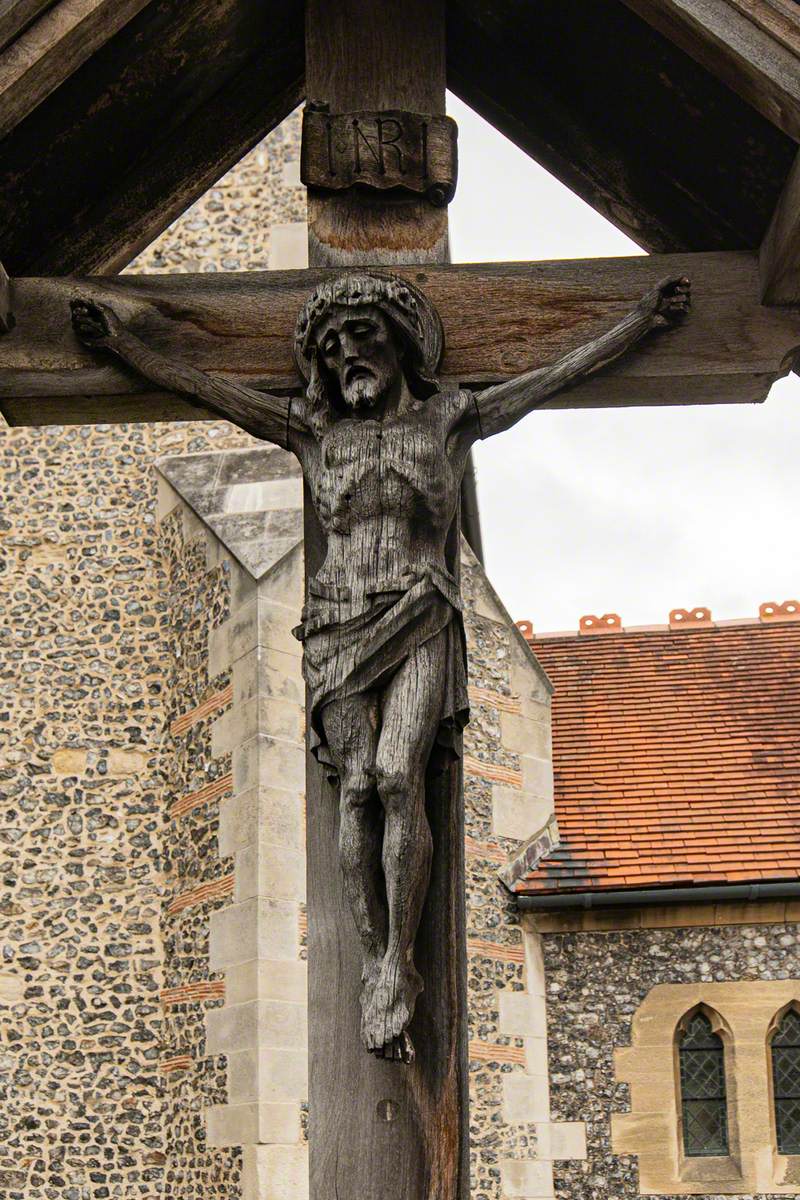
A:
{"points": [[785, 1065], [704, 1104]]}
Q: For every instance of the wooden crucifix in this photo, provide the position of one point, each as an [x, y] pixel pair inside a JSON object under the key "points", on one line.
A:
{"points": [[382, 428]]}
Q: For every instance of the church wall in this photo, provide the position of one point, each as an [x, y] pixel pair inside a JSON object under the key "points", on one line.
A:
{"points": [[597, 983], [81, 620], [116, 777], [86, 1024]]}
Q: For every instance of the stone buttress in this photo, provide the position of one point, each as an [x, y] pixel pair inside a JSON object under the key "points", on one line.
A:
{"points": [[235, 923]]}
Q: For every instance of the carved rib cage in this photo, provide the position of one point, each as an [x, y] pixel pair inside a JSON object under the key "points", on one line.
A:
{"points": [[785, 1054], [703, 1095]]}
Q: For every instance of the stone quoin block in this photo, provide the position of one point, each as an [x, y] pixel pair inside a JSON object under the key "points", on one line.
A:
{"points": [[267, 979], [522, 735], [267, 1074], [526, 1097], [269, 762], [271, 814], [561, 1140], [258, 928], [264, 714], [264, 672], [275, 1173], [251, 1124], [518, 815], [534, 960], [537, 776], [529, 681], [522, 1015], [263, 623], [256, 1024], [266, 869], [527, 1179]]}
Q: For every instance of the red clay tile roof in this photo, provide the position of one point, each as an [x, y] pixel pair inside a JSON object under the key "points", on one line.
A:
{"points": [[676, 755]]}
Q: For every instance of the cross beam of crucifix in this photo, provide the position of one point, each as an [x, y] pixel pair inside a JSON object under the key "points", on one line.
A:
{"points": [[499, 321]]}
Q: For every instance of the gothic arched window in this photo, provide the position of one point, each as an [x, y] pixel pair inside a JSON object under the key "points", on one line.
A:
{"points": [[786, 1082], [704, 1107]]}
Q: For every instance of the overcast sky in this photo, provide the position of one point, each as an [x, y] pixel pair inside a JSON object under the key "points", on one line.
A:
{"points": [[634, 511]]}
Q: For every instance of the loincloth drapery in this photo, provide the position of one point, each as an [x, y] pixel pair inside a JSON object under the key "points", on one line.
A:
{"points": [[350, 647]]}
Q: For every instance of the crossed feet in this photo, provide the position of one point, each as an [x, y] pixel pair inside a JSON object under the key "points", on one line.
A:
{"points": [[388, 998]]}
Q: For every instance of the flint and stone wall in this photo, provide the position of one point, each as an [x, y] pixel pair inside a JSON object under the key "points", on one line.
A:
{"points": [[147, 1045], [605, 990], [236, 840], [91, 1107]]}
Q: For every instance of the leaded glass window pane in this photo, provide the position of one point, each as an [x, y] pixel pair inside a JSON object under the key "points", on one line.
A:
{"points": [[786, 1082], [703, 1098]]}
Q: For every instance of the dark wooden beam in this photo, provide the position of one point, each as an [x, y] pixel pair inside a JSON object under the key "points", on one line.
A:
{"points": [[780, 250], [55, 46], [142, 129], [379, 1130], [779, 18], [623, 117], [7, 319], [17, 15], [736, 43], [363, 228], [500, 320]]}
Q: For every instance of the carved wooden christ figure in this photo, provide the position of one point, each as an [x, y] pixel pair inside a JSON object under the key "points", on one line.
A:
{"points": [[383, 448]]}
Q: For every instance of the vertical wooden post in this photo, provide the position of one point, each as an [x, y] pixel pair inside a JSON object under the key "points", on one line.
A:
{"points": [[376, 56], [378, 1130]]}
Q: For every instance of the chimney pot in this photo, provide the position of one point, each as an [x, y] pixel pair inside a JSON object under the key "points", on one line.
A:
{"points": [[592, 625]]}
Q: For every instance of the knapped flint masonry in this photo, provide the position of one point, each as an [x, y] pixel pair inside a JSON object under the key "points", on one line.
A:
{"points": [[383, 449]]}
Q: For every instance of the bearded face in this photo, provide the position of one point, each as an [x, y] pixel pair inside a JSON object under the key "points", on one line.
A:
{"points": [[358, 349]]}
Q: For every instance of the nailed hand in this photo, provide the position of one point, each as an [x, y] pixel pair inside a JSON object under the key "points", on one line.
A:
{"points": [[95, 324], [669, 302]]}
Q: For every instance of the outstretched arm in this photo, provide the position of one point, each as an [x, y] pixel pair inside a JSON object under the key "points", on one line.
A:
{"points": [[258, 413], [501, 406]]}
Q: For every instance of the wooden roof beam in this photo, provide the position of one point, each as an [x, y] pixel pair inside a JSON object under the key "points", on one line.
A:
{"points": [[17, 15], [7, 321], [642, 132], [150, 121], [779, 259], [55, 45], [753, 47]]}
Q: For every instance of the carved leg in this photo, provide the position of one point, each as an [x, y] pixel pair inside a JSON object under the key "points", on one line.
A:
{"points": [[411, 713], [350, 727]]}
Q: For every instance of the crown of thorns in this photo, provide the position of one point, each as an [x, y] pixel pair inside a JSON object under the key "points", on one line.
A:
{"points": [[404, 303]]}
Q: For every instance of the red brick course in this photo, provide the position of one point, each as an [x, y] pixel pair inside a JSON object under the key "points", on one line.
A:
{"points": [[215, 702]]}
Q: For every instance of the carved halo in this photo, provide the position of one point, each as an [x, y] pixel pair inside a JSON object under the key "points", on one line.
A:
{"points": [[405, 304]]}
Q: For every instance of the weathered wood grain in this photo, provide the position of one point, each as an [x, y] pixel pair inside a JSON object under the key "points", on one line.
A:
{"points": [[780, 250], [347, 230], [499, 320], [17, 15], [778, 18], [642, 132], [385, 1125], [52, 48], [736, 48], [378, 1130], [6, 304], [142, 128], [387, 149]]}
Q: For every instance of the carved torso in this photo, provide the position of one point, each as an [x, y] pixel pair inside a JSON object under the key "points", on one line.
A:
{"points": [[386, 491]]}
